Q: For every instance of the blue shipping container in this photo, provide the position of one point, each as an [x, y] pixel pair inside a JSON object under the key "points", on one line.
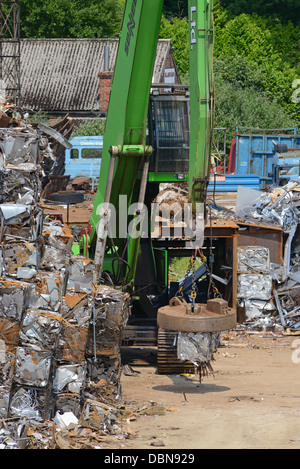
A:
{"points": [[255, 151]]}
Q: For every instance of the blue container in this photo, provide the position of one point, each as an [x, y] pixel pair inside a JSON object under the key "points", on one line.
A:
{"points": [[84, 158], [255, 151], [231, 182]]}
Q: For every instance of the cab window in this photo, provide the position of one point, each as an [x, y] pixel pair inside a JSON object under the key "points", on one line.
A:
{"points": [[91, 153], [74, 153]]}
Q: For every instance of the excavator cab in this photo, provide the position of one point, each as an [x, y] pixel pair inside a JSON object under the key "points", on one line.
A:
{"points": [[168, 131]]}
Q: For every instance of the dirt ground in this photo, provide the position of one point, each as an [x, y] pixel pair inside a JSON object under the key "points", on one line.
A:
{"points": [[251, 401]]}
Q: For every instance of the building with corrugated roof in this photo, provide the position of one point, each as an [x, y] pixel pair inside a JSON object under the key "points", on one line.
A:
{"points": [[60, 76]]}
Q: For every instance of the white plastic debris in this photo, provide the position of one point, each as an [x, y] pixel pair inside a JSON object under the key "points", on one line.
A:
{"points": [[65, 419]]}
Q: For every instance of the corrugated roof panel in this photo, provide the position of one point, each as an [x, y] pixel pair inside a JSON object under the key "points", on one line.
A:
{"points": [[62, 74]]}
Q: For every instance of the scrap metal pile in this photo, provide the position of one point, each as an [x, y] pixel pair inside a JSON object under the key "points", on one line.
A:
{"points": [[52, 141], [270, 292], [60, 334]]}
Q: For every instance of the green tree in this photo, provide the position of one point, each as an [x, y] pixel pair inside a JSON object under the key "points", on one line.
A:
{"points": [[70, 18], [177, 30], [178, 8], [269, 47], [283, 9], [93, 127], [241, 100]]}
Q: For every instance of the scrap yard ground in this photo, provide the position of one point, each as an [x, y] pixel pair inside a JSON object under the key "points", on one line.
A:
{"points": [[252, 401]]}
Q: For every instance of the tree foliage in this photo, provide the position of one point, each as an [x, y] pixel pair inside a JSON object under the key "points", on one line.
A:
{"points": [[177, 30], [267, 47], [93, 127], [178, 8], [256, 53], [256, 62], [70, 18], [241, 100], [282, 9]]}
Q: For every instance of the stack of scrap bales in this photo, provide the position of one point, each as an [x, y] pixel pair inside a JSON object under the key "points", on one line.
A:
{"points": [[110, 315], [254, 280], [20, 253], [20, 180], [60, 335]]}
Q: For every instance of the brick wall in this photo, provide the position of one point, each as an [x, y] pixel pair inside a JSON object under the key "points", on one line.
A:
{"points": [[104, 93]]}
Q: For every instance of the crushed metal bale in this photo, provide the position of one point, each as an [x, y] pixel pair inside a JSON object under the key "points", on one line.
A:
{"points": [[60, 335]]}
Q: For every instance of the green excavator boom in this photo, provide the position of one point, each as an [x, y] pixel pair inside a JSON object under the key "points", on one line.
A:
{"points": [[125, 158]]}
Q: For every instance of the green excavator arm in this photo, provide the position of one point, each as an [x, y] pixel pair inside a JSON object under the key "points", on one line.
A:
{"points": [[201, 98], [125, 157]]}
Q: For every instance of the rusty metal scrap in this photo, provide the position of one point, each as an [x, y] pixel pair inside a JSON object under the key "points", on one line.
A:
{"points": [[54, 258], [19, 148], [66, 402], [103, 378], [47, 291], [276, 207], [53, 145], [80, 274], [12, 434], [72, 343], [57, 248], [114, 304], [41, 329], [50, 308], [7, 367], [20, 223], [33, 367], [20, 260], [19, 186], [30, 403], [33, 147], [110, 316], [77, 308], [98, 415], [265, 306], [103, 341], [9, 332], [14, 297], [6, 376], [56, 232], [40, 435]]}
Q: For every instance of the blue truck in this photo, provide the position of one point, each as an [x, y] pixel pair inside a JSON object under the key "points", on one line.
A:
{"points": [[84, 158]]}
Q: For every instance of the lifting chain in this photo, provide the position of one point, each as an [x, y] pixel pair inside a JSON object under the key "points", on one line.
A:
{"points": [[216, 292], [187, 273], [191, 267], [193, 292]]}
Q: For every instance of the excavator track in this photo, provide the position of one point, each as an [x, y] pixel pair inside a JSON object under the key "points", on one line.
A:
{"points": [[167, 360]]}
